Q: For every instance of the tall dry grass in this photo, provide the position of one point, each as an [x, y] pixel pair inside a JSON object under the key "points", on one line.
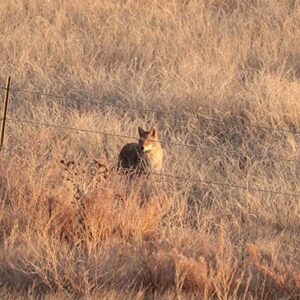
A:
{"points": [[159, 238]]}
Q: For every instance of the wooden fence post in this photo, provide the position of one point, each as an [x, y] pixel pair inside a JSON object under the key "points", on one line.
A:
{"points": [[4, 111]]}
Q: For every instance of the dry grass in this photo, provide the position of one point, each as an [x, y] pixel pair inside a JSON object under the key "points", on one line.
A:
{"points": [[158, 238]]}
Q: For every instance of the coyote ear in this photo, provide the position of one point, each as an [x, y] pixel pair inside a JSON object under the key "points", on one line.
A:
{"points": [[153, 131], [141, 131]]}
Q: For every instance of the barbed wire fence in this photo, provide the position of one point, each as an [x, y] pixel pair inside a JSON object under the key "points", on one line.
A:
{"points": [[4, 119]]}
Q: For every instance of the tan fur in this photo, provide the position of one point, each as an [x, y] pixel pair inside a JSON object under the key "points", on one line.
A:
{"points": [[143, 157]]}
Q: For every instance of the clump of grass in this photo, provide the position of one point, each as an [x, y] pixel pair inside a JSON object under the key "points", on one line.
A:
{"points": [[285, 280]]}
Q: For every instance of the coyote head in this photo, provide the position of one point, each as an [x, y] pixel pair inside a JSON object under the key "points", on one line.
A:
{"points": [[148, 139]]}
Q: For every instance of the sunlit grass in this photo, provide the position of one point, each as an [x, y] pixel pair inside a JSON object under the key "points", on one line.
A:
{"points": [[237, 61]]}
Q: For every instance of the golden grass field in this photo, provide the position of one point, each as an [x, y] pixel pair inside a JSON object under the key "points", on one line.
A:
{"points": [[237, 61]]}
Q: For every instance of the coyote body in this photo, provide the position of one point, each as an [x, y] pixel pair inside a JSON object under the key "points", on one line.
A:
{"points": [[143, 157]]}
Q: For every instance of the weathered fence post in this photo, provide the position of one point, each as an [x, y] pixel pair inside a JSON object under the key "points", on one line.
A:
{"points": [[4, 111]]}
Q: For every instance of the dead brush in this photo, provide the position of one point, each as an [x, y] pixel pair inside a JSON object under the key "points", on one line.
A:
{"points": [[107, 214], [72, 222], [286, 282], [193, 275], [104, 213], [167, 269], [64, 223], [84, 175], [97, 211], [10, 223]]}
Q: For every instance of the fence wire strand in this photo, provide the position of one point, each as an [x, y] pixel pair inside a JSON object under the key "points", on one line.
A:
{"points": [[272, 158], [156, 111], [210, 182]]}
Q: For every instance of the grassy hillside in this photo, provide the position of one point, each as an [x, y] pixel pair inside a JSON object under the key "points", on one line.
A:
{"points": [[199, 61]]}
